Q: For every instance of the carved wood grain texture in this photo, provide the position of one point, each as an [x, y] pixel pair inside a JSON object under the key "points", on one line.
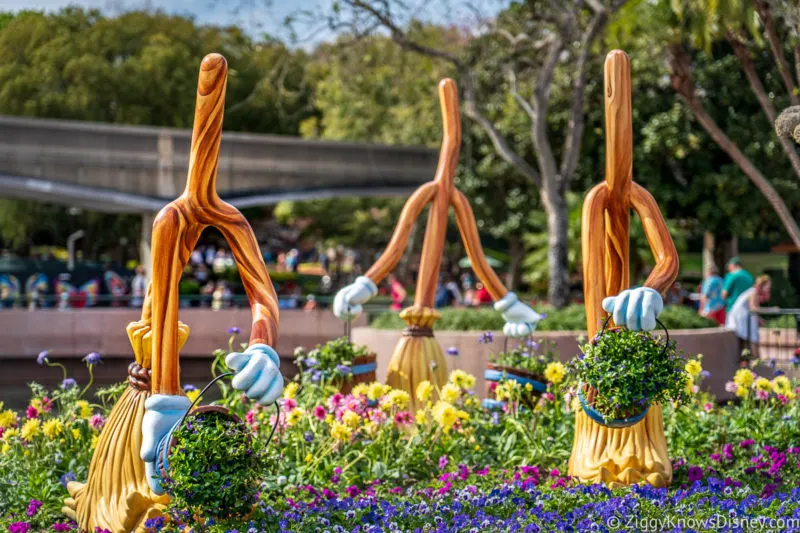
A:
{"points": [[472, 244], [619, 170], [178, 226], [655, 229], [433, 244], [593, 255]]}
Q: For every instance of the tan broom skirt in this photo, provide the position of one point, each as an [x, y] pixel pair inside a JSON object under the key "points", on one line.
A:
{"points": [[417, 357], [621, 456]]}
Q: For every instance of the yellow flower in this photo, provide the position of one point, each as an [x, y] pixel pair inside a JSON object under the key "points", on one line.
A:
{"points": [[76, 434], [528, 387], [8, 418], [294, 416], [5, 449], [782, 385], [763, 384], [450, 393], [95, 438], [193, 394], [743, 377], [421, 418], [689, 383], [84, 409], [31, 429], [790, 394], [477, 447], [375, 391], [351, 419], [370, 426], [446, 415], [9, 434], [742, 392], [507, 390], [36, 403], [340, 432], [462, 379], [694, 368], [360, 390], [424, 390], [329, 418], [575, 404], [309, 458], [52, 428], [398, 398], [554, 372], [291, 390]]}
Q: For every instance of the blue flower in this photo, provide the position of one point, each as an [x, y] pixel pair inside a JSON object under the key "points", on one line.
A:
{"points": [[308, 436], [705, 374], [92, 358], [42, 357], [68, 383], [452, 351], [66, 478], [234, 330], [344, 370]]}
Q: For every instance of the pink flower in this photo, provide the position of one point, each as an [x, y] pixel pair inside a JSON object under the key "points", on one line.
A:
{"points": [[329, 494], [560, 482], [97, 421], [288, 404], [47, 404], [446, 488], [443, 462], [335, 400], [250, 417], [32, 412], [402, 418], [731, 387], [320, 412], [549, 396], [746, 443], [396, 490], [762, 394], [555, 473], [708, 407], [783, 399]]}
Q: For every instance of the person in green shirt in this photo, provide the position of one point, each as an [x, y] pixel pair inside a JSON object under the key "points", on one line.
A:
{"points": [[737, 280]]}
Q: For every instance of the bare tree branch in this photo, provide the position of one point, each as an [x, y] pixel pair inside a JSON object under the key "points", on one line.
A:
{"points": [[512, 82], [541, 96], [499, 141], [776, 47]]}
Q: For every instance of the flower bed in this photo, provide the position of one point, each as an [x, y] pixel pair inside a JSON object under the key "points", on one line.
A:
{"points": [[362, 462]]}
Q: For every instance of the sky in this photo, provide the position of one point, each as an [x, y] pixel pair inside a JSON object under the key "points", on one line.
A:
{"points": [[255, 16], [259, 17]]}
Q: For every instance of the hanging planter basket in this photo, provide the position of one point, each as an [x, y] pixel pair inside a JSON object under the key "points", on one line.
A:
{"points": [[497, 373], [362, 371], [586, 397]]}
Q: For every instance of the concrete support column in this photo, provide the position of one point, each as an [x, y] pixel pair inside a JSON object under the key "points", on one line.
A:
{"points": [[166, 186], [144, 243]]}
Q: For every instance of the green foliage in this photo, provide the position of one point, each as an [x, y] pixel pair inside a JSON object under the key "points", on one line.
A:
{"points": [[530, 356], [332, 358], [214, 468], [630, 370], [570, 318]]}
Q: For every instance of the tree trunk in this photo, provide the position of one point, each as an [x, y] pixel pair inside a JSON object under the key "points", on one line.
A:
{"points": [[555, 206], [746, 61], [516, 251], [708, 252], [726, 246]]}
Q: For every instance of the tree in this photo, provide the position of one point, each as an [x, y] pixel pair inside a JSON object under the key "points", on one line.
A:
{"points": [[138, 68], [525, 47]]}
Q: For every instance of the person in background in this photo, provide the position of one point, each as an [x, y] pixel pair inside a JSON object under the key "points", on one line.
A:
{"points": [[741, 318], [398, 293], [737, 281], [482, 296], [456, 298], [712, 305], [138, 287], [311, 303], [469, 292]]}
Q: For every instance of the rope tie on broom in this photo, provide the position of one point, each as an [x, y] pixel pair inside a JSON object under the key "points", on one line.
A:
{"points": [[418, 331], [138, 377]]}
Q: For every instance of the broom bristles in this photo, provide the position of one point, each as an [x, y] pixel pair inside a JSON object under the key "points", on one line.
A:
{"points": [[417, 359], [621, 456]]}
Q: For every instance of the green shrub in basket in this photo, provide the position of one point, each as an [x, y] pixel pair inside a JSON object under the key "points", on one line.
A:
{"points": [[330, 360], [631, 370]]}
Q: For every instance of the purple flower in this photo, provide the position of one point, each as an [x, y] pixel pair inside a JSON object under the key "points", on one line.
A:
{"points": [[234, 330], [68, 383], [343, 369], [746, 443], [695, 473], [33, 507], [189, 388], [443, 462], [60, 526], [487, 337], [452, 351], [705, 374], [92, 358], [308, 436], [19, 527], [42, 359]]}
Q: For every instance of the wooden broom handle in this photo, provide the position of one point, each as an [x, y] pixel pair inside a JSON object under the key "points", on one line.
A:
{"points": [[433, 245], [178, 226]]}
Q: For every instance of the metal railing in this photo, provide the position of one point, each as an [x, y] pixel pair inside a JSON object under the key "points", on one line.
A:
{"points": [[778, 340]]}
